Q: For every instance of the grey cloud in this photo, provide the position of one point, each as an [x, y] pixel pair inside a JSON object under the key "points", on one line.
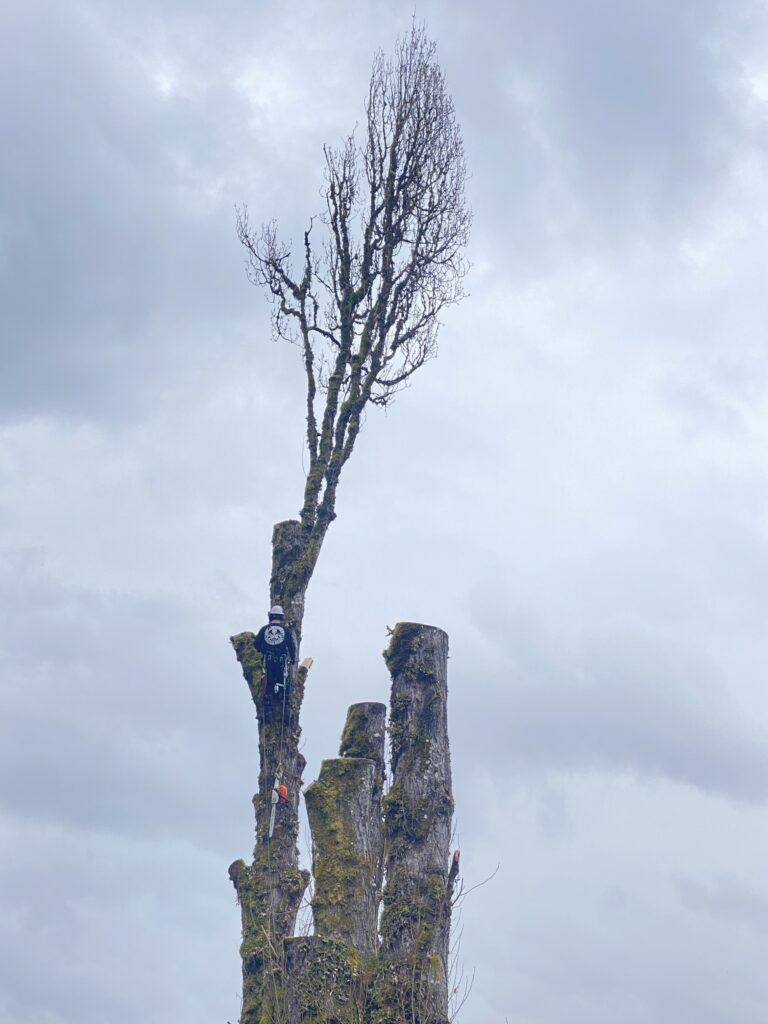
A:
{"points": [[107, 242], [625, 704], [121, 263], [113, 697], [575, 948], [93, 946], [726, 899], [133, 229], [642, 107], [598, 123]]}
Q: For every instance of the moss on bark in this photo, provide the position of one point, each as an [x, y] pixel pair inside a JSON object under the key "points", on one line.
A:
{"points": [[327, 982], [347, 846], [403, 645], [363, 734], [339, 865]]}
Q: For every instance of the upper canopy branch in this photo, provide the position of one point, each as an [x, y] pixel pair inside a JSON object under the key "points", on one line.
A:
{"points": [[366, 309]]}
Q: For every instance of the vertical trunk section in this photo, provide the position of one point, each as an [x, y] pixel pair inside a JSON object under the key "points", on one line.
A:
{"points": [[327, 973], [412, 976], [270, 889], [290, 576], [344, 811]]}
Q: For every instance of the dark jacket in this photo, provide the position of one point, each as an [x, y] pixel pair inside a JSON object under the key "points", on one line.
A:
{"points": [[276, 639]]}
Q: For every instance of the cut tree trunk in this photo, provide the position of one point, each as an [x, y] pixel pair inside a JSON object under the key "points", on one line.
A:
{"points": [[412, 975], [327, 973], [344, 811]]}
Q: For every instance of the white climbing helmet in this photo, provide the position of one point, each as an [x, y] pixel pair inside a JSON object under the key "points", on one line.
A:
{"points": [[276, 612]]}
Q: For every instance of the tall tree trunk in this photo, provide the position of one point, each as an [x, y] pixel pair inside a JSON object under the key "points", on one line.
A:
{"points": [[412, 975], [270, 889]]}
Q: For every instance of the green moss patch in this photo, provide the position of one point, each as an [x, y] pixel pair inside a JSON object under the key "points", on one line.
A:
{"points": [[403, 645], [330, 982], [340, 868]]}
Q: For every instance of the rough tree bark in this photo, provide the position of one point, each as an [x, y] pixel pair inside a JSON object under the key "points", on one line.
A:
{"points": [[327, 973], [344, 811], [412, 975], [270, 889], [356, 969]]}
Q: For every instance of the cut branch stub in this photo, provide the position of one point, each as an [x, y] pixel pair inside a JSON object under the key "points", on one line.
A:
{"points": [[251, 664], [344, 811], [415, 922]]}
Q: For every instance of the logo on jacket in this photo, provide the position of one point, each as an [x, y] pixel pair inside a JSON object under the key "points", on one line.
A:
{"points": [[274, 635]]}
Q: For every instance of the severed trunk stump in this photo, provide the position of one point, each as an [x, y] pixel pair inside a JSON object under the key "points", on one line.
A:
{"points": [[412, 975], [344, 812]]}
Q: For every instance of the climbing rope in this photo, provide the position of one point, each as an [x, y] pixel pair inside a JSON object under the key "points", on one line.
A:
{"points": [[278, 788], [279, 792]]}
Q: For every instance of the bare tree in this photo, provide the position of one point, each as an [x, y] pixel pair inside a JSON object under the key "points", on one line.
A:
{"points": [[375, 271], [364, 308]]}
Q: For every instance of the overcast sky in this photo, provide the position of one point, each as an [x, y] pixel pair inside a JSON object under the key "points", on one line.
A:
{"points": [[576, 490]]}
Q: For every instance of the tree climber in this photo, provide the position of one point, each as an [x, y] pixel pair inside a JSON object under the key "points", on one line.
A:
{"points": [[276, 643]]}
